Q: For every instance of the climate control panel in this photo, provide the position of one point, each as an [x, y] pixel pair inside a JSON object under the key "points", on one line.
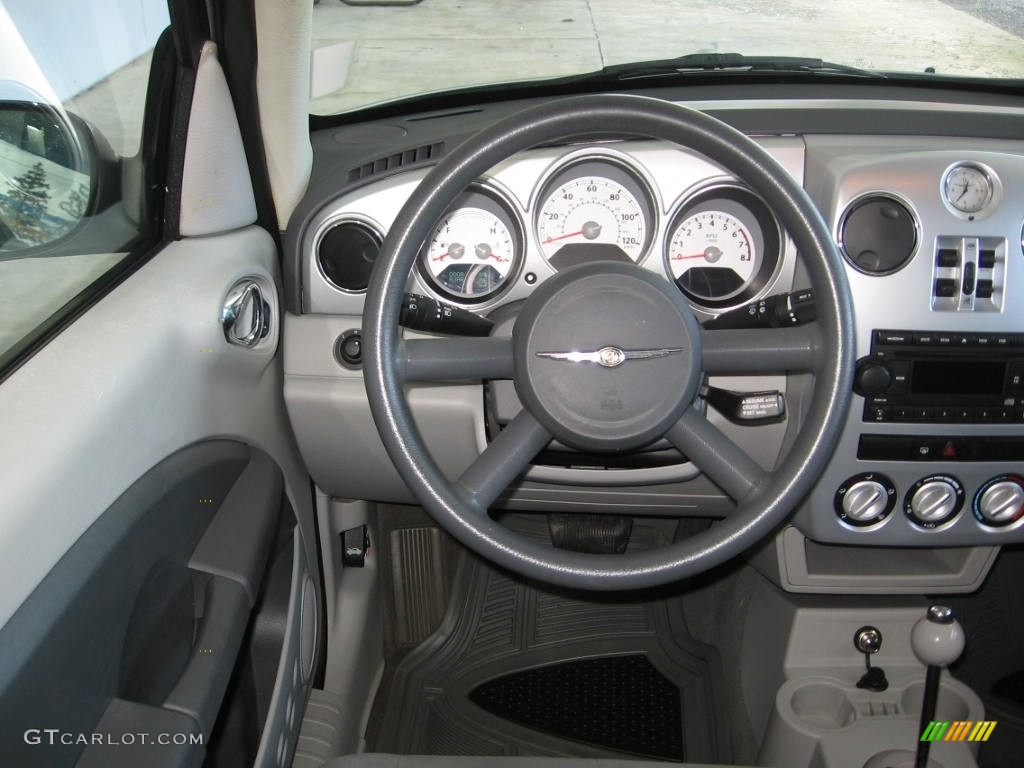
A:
{"points": [[868, 500]]}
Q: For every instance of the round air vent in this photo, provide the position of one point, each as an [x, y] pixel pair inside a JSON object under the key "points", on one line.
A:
{"points": [[878, 235], [346, 253]]}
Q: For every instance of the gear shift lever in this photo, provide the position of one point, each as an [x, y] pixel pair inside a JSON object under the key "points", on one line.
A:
{"points": [[937, 640]]}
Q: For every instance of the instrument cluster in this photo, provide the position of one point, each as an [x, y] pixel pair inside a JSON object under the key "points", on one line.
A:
{"points": [[549, 209]]}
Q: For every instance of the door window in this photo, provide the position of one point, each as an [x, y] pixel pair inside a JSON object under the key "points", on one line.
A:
{"points": [[73, 81]]}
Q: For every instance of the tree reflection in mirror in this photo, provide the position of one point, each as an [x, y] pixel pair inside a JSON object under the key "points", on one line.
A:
{"points": [[45, 176]]}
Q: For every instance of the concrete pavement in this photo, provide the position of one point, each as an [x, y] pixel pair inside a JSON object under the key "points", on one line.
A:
{"points": [[397, 51]]}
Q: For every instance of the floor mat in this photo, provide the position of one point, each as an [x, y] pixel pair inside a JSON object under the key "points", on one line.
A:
{"points": [[619, 702], [517, 668]]}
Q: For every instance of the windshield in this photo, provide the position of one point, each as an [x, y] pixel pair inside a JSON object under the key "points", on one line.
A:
{"points": [[368, 54]]}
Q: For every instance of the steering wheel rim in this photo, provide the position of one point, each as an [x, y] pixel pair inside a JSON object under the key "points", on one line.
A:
{"points": [[387, 364]]}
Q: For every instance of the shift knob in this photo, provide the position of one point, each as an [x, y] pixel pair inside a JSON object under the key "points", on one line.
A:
{"points": [[938, 638]]}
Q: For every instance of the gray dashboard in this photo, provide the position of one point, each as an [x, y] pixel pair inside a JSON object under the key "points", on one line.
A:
{"points": [[919, 443]]}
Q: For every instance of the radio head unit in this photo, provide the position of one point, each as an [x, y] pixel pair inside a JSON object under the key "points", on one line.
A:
{"points": [[936, 377]]}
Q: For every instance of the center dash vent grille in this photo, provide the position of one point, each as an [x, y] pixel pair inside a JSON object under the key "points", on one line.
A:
{"points": [[397, 160]]}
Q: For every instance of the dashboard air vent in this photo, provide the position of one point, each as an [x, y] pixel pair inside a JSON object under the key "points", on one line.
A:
{"points": [[346, 252], [397, 160], [878, 235]]}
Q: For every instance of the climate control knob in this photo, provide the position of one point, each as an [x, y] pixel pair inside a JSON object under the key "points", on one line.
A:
{"points": [[865, 499], [934, 500], [1000, 501]]}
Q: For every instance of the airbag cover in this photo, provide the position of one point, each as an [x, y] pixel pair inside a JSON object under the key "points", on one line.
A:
{"points": [[607, 356]]}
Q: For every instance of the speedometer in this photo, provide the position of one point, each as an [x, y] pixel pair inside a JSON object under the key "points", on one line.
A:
{"points": [[594, 210]]}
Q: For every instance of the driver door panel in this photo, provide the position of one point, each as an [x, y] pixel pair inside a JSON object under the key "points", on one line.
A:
{"points": [[144, 503]]}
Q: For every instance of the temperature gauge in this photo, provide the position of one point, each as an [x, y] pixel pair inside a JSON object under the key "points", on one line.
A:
{"points": [[472, 251]]}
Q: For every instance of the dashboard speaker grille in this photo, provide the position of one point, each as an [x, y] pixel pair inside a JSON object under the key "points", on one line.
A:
{"points": [[346, 253]]}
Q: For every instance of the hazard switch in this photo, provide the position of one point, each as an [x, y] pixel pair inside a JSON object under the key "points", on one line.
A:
{"points": [[949, 450]]}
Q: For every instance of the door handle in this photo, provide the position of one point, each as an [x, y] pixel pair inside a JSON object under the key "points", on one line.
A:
{"points": [[246, 314]]}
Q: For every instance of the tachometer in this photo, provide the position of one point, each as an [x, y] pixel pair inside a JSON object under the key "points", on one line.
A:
{"points": [[711, 255], [723, 247], [473, 251], [594, 210]]}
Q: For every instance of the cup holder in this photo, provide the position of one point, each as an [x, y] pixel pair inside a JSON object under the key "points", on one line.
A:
{"points": [[823, 705], [822, 722], [952, 706]]}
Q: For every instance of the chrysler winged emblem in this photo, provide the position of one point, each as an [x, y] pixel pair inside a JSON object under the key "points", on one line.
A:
{"points": [[610, 357]]}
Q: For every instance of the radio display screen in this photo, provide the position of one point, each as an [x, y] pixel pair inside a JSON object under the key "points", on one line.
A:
{"points": [[958, 377]]}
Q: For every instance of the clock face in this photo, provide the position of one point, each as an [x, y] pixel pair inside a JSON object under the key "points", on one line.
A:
{"points": [[967, 188]]}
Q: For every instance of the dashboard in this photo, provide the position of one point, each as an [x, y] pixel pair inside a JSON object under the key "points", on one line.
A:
{"points": [[925, 198]]}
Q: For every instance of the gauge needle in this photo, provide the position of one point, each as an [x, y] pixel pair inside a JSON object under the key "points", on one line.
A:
{"points": [[691, 256], [456, 251], [591, 230], [484, 252], [563, 237]]}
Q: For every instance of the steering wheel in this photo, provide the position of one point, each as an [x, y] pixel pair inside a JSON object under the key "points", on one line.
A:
{"points": [[640, 357]]}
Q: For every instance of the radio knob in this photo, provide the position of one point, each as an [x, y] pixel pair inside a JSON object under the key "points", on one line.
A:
{"points": [[872, 377], [1001, 502], [934, 500]]}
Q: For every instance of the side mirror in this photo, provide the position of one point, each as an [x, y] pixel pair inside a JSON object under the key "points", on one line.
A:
{"points": [[55, 170]]}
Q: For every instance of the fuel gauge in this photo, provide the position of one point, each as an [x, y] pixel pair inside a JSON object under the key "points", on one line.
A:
{"points": [[473, 250]]}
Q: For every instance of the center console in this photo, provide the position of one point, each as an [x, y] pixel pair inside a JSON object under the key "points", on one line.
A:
{"points": [[928, 473], [933, 450], [822, 717]]}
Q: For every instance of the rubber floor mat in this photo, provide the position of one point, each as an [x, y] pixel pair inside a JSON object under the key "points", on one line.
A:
{"points": [[619, 702], [518, 668]]}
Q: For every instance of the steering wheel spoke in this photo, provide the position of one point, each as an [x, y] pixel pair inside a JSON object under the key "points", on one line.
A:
{"points": [[760, 350], [503, 460], [456, 357], [728, 465]]}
